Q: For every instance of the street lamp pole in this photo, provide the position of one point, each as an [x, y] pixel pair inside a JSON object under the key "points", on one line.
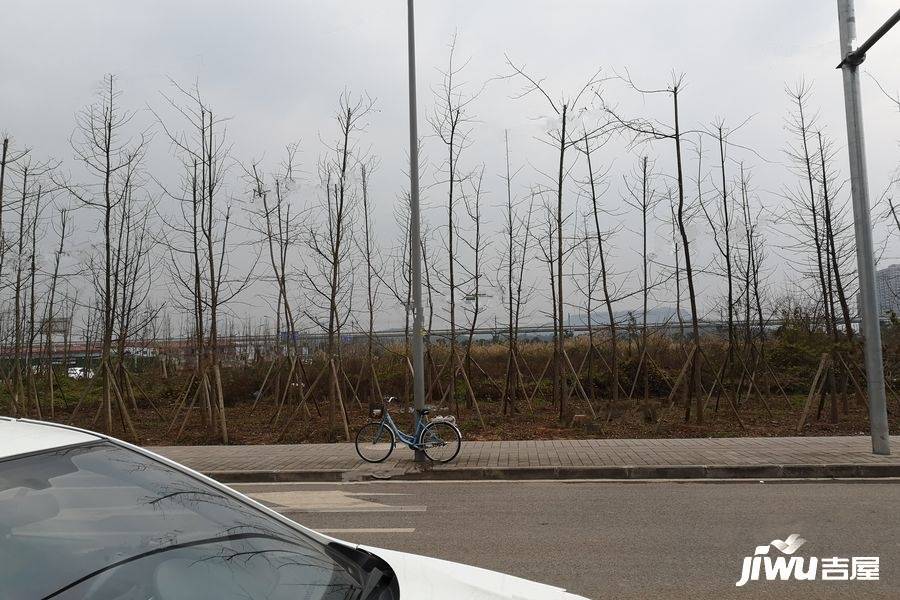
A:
{"points": [[415, 243], [865, 254]]}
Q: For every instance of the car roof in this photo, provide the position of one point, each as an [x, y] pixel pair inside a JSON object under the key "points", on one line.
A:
{"points": [[19, 436]]}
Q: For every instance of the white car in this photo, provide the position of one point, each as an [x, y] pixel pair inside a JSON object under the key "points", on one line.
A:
{"points": [[86, 516]]}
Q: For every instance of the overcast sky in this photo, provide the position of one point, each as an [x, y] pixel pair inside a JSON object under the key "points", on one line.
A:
{"points": [[278, 67]]}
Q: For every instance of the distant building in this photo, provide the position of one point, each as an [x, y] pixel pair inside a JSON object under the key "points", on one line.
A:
{"points": [[887, 285]]}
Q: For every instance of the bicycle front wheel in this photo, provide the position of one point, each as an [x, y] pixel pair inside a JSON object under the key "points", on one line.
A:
{"points": [[441, 441], [374, 442]]}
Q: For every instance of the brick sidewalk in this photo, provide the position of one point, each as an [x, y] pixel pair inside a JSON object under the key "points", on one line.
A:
{"points": [[560, 459]]}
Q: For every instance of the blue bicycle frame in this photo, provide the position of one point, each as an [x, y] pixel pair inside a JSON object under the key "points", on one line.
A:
{"points": [[412, 441]]}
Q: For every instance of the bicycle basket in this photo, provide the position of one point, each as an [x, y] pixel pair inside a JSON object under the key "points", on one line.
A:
{"points": [[445, 418]]}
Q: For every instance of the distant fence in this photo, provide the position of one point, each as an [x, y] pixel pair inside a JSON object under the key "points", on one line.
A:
{"points": [[252, 346]]}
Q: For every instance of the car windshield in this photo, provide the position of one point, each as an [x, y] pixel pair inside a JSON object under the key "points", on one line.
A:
{"points": [[105, 522]]}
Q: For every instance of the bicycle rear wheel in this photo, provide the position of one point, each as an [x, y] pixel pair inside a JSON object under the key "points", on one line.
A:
{"points": [[441, 441], [374, 442]]}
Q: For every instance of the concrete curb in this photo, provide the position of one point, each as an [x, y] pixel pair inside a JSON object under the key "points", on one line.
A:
{"points": [[267, 476], [629, 472]]}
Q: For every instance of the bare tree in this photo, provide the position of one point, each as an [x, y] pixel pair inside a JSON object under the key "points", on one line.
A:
{"points": [[8, 158], [720, 219], [30, 366], [804, 211], [31, 178], [133, 276], [102, 144], [720, 224], [750, 266], [510, 277], [477, 245], [329, 279], [594, 181], [677, 255], [654, 130], [451, 122], [50, 318], [835, 231], [892, 213], [199, 259], [278, 224], [589, 289], [838, 259], [372, 259], [561, 138], [817, 227], [642, 197]]}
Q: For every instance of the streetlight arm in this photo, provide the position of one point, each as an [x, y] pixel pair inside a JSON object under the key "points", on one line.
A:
{"points": [[856, 57]]}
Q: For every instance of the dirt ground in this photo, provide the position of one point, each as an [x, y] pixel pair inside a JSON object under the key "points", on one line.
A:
{"points": [[264, 424]]}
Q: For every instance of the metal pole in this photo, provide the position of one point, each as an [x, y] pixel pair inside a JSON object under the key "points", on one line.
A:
{"points": [[865, 254], [415, 244]]}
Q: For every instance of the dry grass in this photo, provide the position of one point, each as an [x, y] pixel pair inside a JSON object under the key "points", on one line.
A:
{"points": [[630, 418]]}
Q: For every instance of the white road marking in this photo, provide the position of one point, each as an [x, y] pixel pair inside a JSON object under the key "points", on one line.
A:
{"points": [[377, 494], [327, 501], [370, 530]]}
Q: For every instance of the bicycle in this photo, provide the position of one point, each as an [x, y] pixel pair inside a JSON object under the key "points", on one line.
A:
{"points": [[439, 439]]}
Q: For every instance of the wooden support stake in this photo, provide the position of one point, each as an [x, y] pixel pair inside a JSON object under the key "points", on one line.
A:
{"points": [[180, 404], [352, 389], [859, 393], [671, 399], [84, 395], [578, 384], [787, 400], [123, 409], [687, 363], [813, 388], [337, 389], [522, 384], [752, 385], [471, 391], [537, 384], [287, 388], [637, 374], [129, 380], [265, 382], [483, 372], [716, 382], [304, 395], [187, 413]]}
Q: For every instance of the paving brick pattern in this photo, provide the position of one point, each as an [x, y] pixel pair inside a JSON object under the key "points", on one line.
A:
{"points": [[661, 453]]}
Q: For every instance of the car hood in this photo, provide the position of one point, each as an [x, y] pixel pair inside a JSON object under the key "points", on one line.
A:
{"points": [[423, 578]]}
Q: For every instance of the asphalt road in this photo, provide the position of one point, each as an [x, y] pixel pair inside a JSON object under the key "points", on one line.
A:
{"points": [[616, 540]]}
